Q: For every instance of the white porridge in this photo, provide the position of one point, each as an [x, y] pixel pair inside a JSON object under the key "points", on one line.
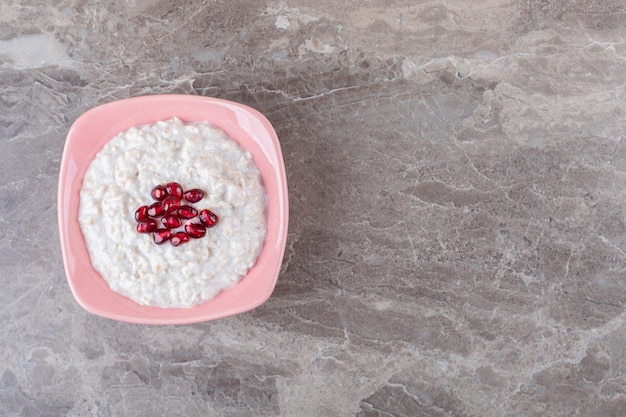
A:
{"points": [[120, 179]]}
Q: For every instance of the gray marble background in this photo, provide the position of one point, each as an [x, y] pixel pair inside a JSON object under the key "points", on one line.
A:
{"points": [[457, 238]]}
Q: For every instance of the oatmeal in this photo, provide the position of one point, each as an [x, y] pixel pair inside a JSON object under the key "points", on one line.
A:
{"points": [[121, 179]]}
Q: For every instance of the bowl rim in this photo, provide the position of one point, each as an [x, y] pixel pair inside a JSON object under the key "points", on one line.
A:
{"points": [[91, 130]]}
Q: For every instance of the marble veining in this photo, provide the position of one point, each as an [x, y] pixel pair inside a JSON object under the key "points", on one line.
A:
{"points": [[457, 230]]}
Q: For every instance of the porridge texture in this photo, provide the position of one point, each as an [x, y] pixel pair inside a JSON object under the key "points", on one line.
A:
{"points": [[120, 179]]}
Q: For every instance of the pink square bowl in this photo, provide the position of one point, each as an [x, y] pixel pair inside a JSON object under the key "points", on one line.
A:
{"points": [[88, 135]]}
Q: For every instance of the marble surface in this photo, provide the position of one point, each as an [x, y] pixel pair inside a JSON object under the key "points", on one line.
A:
{"points": [[457, 237]]}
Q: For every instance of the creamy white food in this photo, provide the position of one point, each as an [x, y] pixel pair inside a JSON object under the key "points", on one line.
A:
{"points": [[120, 179]]}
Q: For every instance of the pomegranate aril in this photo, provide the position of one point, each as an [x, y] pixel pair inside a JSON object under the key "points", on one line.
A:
{"points": [[155, 210], [141, 213], [170, 204], [193, 196], [147, 226], [174, 189], [171, 221], [208, 218], [187, 212], [158, 193], [169, 213], [195, 230], [160, 236], [179, 238]]}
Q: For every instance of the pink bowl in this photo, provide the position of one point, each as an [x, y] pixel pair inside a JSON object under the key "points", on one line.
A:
{"points": [[96, 127]]}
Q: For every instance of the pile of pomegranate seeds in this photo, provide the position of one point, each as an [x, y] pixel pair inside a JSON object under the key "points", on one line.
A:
{"points": [[171, 218]]}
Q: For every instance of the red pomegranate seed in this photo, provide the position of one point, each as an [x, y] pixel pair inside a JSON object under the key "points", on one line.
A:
{"points": [[141, 213], [174, 189], [187, 212], [170, 204], [159, 193], [193, 196], [179, 238], [155, 210], [160, 236], [208, 218], [195, 230], [147, 226], [171, 221]]}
